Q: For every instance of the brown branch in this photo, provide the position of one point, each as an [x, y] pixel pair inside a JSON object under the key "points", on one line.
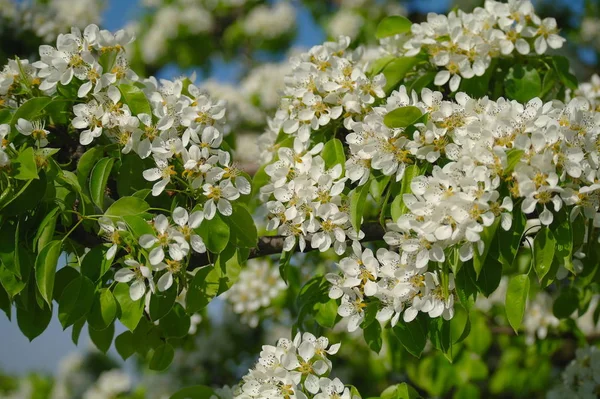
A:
{"points": [[271, 245], [267, 245]]}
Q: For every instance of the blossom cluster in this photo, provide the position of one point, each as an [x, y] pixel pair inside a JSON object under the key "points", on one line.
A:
{"points": [[581, 378], [557, 165], [293, 369], [167, 248], [259, 283], [327, 85], [179, 130], [463, 44], [402, 286]]}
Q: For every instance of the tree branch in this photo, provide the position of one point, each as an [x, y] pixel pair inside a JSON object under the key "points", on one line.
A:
{"points": [[271, 245], [267, 245]]}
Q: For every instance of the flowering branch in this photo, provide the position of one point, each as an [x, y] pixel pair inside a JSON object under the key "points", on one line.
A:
{"points": [[271, 245]]}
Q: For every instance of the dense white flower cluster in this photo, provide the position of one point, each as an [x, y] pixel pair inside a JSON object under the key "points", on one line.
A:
{"points": [[397, 280], [581, 378], [47, 19], [270, 22], [462, 45], [293, 369], [326, 85], [258, 285], [180, 130]]}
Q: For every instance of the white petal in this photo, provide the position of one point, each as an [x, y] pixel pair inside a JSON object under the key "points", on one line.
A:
{"points": [[165, 282]]}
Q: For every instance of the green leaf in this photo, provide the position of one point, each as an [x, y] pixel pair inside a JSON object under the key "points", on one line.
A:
{"points": [[509, 241], [63, 277], [378, 186], [413, 335], [162, 357], [489, 277], [135, 99], [242, 225], [513, 156], [30, 109], [210, 281], [203, 288], [94, 264], [33, 320], [46, 229], [487, 236], [24, 165], [138, 225], [566, 303], [28, 196], [400, 391], [76, 331], [377, 66], [161, 303], [466, 290], [176, 323], [214, 233], [98, 180], [561, 66], [402, 117], [86, 164], [131, 312], [194, 392], [392, 25], [358, 200], [75, 301], [516, 299], [562, 230], [326, 314], [103, 311], [125, 345], [396, 70], [127, 206], [102, 338], [45, 268], [10, 282], [130, 174], [5, 116], [8, 247], [544, 245], [522, 83], [5, 302], [398, 208], [372, 336], [333, 154]]}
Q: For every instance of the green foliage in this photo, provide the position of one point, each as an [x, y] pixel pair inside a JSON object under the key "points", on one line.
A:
{"points": [[402, 117], [131, 311], [516, 299], [393, 25]]}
